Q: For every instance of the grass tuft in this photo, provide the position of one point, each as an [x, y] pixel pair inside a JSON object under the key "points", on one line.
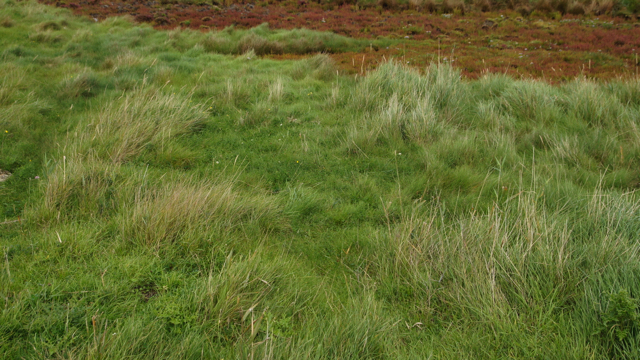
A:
{"points": [[137, 121]]}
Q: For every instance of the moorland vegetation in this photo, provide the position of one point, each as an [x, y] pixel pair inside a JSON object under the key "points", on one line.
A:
{"points": [[175, 195], [550, 44], [622, 8]]}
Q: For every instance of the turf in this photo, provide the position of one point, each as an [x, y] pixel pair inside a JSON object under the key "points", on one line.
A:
{"points": [[172, 202]]}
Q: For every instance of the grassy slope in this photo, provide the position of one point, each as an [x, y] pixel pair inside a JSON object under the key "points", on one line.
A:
{"points": [[198, 205]]}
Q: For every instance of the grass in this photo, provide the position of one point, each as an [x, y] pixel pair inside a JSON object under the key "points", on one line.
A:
{"points": [[264, 41], [178, 202]]}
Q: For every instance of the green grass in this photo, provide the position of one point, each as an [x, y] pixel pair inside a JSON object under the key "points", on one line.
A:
{"points": [[191, 204], [263, 41]]}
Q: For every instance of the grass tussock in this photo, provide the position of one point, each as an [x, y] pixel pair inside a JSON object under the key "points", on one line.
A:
{"points": [[604, 7], [403, 104], [6, 22], [450, 6], [430, 6], [185, 210], [544, 6], [276, 90], [320, 67], [46, 36], [263, 41], [84, 83], [11, 84], [144, 119], [596, 107], [490, 279], [576, 8], [416, 4], [81, 35], [483, 5], [77, 184], [259, 45]]}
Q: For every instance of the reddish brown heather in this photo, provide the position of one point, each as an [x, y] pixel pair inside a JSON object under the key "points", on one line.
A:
{"points": [[518, 42]]}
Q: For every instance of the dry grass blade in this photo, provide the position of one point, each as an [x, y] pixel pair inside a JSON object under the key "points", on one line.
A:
{"points": [[125, 127]]}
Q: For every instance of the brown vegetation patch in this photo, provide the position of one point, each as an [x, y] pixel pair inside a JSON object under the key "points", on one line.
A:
{"points": [[526, 42]]}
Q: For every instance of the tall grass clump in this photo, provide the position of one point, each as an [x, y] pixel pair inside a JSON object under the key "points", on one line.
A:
{"points": [[264, 41], [443, 82], [594, 106], [396, 100], [11, 83], [83, 83], [259, 45], [430, 6], [320, 67], [355, 329], [499, 269], [85, 171], [531, 101], [449, 6], [628, 92], [276, 90], [187, 210], [268, 310], [84, 186], [142, 119], [248, 294]]}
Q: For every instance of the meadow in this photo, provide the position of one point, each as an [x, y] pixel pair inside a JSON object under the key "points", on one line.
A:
{"points": [[177, 195]]}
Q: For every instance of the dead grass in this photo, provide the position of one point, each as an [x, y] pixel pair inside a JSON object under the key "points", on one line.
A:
{"points": [[576, 8], [6, 22], [483, 5], [524, 10], [430, 6], [544, 6], [416, 4], [560, 5], [180, 210], [449, 6], [604, 7], [387, 4]]}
